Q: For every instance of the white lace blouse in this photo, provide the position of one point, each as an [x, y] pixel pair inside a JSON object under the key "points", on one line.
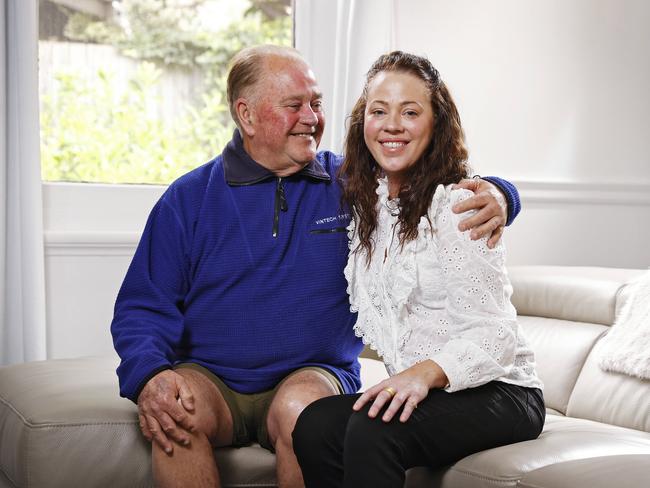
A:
{"points": [[442, 297]]}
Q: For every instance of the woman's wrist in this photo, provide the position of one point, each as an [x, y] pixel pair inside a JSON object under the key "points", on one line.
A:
{"points": [[434, 375]]}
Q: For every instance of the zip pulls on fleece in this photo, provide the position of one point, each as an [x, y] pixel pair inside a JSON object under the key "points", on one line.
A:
{"points": [[280, 205]]}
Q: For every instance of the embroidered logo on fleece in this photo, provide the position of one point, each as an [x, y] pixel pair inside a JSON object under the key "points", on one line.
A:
{"points": [[345, 217]]}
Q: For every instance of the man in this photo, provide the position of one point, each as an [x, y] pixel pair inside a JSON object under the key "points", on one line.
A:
{"points": [[234, 315]]}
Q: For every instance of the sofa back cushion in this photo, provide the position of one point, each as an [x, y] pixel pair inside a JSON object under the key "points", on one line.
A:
{"points": [[561, 348], [564, 311], [613, 398], [575, 293]]}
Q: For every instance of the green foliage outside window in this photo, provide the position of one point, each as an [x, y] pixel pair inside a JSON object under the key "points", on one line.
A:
{"points": [[91, 133]]}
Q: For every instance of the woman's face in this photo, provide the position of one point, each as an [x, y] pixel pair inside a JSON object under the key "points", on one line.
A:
{"points": [[398, 123]]}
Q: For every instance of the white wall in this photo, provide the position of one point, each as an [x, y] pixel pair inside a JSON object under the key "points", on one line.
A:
{"points": [[553, 96], [90, 236], [549, 90]]}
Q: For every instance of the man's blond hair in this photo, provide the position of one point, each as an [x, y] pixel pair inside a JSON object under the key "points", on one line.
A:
{"points": [[247, 70]]}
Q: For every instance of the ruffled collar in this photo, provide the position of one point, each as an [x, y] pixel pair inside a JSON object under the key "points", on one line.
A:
{"points": [[393, 207], [391, 204]]}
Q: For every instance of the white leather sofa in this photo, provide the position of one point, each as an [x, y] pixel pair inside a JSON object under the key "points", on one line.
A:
{"points": [[62, 423]]}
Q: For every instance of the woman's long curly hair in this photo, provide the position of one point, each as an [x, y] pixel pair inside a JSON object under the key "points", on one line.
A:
{"points": [[444, 161]]}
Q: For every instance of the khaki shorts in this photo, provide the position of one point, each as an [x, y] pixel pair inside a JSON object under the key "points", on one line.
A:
{"points": [[249, 410]]}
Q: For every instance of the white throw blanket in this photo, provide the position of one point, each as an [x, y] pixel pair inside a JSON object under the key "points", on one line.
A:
{"points": [[626, 348]]}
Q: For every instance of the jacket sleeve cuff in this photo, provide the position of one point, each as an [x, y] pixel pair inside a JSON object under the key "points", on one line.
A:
{"points": [[136, 372], [510, 192], [145, 380]]}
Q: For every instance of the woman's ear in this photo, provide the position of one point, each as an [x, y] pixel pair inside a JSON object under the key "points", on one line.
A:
{"points": [[245, 115]]}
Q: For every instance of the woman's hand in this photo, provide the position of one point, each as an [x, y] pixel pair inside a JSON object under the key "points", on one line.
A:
{"points": [[405, 389]]}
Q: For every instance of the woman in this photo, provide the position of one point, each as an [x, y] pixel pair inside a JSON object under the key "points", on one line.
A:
{"points": [[432, 302]]}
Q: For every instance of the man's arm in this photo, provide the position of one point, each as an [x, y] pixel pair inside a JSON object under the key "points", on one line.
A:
{"points": [[497, 203], [148, 326]]}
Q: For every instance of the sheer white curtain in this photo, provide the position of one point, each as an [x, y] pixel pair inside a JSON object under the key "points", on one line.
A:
{"points": [[341, 39], [22, 273]]}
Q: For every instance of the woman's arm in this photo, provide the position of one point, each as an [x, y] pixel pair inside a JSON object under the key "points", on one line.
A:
{"points": [[482, 331]]}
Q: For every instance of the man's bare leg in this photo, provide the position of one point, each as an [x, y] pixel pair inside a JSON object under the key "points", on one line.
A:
{"points": [[194, 465], [292, 397]]}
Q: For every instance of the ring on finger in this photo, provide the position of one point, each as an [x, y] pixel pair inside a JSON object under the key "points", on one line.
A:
{"points": [[391, 391]]}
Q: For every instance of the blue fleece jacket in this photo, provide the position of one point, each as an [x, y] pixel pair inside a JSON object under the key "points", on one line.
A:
{"points": [[210, 283]]}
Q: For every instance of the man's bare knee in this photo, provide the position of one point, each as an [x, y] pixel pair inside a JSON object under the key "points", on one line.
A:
{"points": [[291, 399], [211, 416]]}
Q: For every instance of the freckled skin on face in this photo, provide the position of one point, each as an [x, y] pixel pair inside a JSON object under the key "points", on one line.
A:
{"points": [[398, 123], [287, 119]]}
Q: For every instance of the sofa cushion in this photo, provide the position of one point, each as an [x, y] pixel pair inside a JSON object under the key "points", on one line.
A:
{"points": [[610, 397], [563, 440], [561, 348], [622, 471], [246, 467], [62, 421], [372, 372], [580, 294], [66, 422]]}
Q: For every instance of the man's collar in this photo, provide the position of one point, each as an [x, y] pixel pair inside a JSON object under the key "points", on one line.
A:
{"points": [[240, 169]]}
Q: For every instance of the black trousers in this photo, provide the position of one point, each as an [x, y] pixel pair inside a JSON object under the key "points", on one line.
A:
{"points": [[337, 447]]}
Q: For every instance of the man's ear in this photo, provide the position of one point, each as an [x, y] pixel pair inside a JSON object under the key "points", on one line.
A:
{"points": [[246, 116]]}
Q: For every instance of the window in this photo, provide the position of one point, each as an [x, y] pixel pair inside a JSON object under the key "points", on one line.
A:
{"points": [[133, 91]]}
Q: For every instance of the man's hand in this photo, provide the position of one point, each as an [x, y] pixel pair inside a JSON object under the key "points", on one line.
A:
{"points": [[492, 213], [164, 406]]}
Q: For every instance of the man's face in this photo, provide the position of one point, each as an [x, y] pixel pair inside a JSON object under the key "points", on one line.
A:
{"points": [[287, 118]]}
